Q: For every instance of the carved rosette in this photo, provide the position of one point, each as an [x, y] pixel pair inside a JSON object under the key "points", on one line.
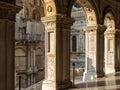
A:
{"points": [[8, 11]]}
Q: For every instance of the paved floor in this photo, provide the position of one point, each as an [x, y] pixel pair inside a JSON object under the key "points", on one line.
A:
{"points": [[110, 82]]}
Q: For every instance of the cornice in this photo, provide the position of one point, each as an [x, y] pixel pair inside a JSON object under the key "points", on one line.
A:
{"points": [[100, 28], [8, 11], [57, 21]]}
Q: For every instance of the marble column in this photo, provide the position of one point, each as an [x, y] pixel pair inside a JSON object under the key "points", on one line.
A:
{"points": [[57, 52], [94, 52], [110, 51], [7, 19]]}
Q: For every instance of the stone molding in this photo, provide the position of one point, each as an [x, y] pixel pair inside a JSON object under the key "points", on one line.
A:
{"points": [[112, 33], [57, 21], [8, 11], [98, 27]]}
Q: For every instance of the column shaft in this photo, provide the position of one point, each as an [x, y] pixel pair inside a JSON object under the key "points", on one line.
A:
{"points": [[94, 52], [57, 52]]}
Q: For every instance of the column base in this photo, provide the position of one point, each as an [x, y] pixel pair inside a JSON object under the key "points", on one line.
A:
{"points": [[109, 70], [89, 75], [64, 85], [100, 74], [49, 85]]}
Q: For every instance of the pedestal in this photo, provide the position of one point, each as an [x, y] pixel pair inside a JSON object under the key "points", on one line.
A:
{"points": [[48, 85]]}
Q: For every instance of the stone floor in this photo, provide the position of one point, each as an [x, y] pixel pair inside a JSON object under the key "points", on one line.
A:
{"points": [[110, 82]]}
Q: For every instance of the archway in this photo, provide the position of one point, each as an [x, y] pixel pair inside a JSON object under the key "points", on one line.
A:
{"points": [[77, 52], [110, 47], [57, 44], [93, 41]]}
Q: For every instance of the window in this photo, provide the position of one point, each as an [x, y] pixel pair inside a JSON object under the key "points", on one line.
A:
{"points": [[74, 44]]}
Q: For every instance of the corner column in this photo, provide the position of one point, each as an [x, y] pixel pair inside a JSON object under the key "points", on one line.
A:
{"points": [[110, 51], [94, 52], [7, 22], [57, 52]]}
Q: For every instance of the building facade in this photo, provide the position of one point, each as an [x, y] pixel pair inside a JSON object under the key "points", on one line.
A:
{"points": [[29, 44], [78, 36]]}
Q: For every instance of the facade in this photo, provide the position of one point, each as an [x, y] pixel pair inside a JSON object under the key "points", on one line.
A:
{"points": [[29, 46], [78, 36], [102, 41]]}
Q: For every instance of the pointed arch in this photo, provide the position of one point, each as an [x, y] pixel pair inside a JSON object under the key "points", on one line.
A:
{"points": [[109, 18]]}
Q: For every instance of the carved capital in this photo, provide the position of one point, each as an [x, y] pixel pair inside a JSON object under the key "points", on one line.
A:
{"points": [[110, 33], [99, 28], [8, 11], [57, 21]]}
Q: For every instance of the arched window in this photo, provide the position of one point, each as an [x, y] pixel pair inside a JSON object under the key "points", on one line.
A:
{"points": [[74, 44]]}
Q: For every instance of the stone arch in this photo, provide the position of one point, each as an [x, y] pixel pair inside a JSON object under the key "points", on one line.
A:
{"points": [[90, 12], [109, 19], [36, 14], [39, 51], [110, 11], [20, 51], [91, 38]]}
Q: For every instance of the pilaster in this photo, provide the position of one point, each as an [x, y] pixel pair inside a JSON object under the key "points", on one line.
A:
{"points": [[57, 52], [94, 51], [110, 51]]}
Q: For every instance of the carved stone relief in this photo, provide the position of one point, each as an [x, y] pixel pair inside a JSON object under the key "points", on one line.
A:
{"points": [[50, 8], [51, 68], [91, 62], [91, 42]]}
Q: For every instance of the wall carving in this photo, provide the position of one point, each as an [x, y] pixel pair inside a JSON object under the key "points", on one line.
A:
{"points": [[91, 42], [51, 68], [50, 8]]}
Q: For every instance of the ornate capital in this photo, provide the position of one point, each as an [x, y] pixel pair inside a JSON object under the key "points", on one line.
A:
{"points": [[57, 21], [99, 28], [110, 33], [8, 11]]}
